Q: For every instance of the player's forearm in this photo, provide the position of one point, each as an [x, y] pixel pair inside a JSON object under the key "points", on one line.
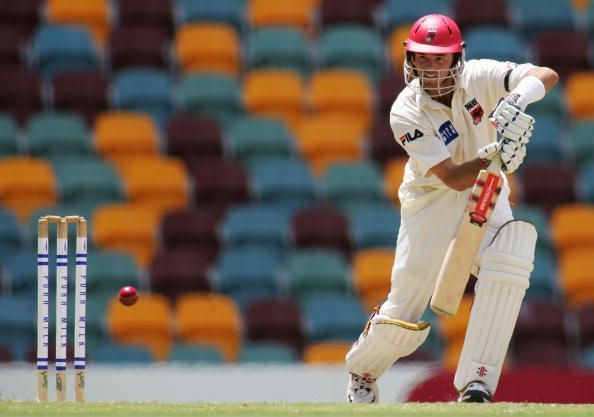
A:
{"points": [[458, 177]]}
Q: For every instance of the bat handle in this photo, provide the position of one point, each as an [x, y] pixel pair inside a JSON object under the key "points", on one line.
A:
{"points": [[495, 165]]}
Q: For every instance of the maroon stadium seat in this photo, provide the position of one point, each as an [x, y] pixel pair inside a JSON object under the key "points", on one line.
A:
{"points": [[548, 185], [157, 13], [565, 51], [12, 44], [192, 228], [468, 13], [140, 46], [192, 137], [20, 93], [347, 11], [81, 91], [322, 226], [390, 86], [382, 145], [219, 183], [22, 15], [585, 323]]}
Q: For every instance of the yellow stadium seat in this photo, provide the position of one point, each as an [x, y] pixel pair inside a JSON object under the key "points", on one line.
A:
{"points": [[396, 47], [372, 272], [95, 14], [128, 227], [210, 319], [326, 353], [580, 6], [580, 102], [343, 92], [393, 175], [297, 14], [122, 134], [324, 140], [454, 328], [26, 184], [451, 354], [155, 181], [275, 93], [572, 226], [147, 323], [576, 276], [208, 47]]}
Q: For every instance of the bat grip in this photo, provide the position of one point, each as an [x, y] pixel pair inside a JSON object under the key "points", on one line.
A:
{"points": [[495, 165]]}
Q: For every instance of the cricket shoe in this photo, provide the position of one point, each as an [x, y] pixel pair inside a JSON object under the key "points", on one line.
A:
{"points": [[362, 390], [475, 392]]}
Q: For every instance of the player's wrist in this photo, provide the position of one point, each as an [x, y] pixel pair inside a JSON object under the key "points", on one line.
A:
{"points": [[528, 90]]}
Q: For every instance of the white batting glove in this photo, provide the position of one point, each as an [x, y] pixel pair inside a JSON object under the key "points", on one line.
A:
{"points": [[511, 122], [512, 153]]}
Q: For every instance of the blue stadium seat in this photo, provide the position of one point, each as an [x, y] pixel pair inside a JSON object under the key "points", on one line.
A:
{"points": [[144, 90], [279, 47], [211, 95], [207, 355], [586, 182], [581, 143], [332, 317], [545, 143], [533, 17], [399, 12], [111, 270], [9, 145], [553, 103], [120, 354], [348, 184], [11, 238], [18, 323], [542, 278], [538, 217], [494, 43], [316, 271], [58, 134], [223, 11], [266, 352], [59, 48], [587, 358], [253, 138], [374, 225], [21, 272]]}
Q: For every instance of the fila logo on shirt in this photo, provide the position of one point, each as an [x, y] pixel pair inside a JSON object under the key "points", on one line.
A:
{"points": [[408, 137], [475, 110]]}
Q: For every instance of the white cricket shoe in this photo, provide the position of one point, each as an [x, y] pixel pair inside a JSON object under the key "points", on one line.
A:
{"points": [[362, 390], [475, 392]]}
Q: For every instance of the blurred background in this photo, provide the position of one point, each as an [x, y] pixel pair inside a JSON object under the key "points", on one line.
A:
{"points": [[235, 162]]}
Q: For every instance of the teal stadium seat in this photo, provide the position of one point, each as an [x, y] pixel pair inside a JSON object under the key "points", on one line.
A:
{"points": [[145, 90], [9, 145], [96, 330], [533, 17], [266, 353], [253, 138], [543, 277], [287, 183], [211, 95], [316, 271], [186, 354], [553, 103], [538, 217], [11, 238], [20, 271], [398, 12], [18, 323], [120, 354], [353, 47], [222, 11], [52, 134], [545, 143], [348, 184], [581, 142], [587, 358], [586, 182], [59, 48], [329, 317], [494, 43], [279, 47], [374, 225], [85, 210], [111, 270]]}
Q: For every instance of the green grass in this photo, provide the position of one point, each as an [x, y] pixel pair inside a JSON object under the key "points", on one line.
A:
{"points": [[122, 409]]}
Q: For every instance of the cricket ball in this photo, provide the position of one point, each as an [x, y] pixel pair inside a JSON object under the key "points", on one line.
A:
{"points": [[128, 295]]}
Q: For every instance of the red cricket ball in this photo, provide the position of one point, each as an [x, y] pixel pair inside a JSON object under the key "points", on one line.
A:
{"points": [[128, 295]]}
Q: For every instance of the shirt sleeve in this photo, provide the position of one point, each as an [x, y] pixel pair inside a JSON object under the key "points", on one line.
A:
{"points": [[424, 148], [502, 76]]}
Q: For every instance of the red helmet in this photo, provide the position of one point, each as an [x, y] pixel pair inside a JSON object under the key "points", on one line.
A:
{"points": [[434, 34]]}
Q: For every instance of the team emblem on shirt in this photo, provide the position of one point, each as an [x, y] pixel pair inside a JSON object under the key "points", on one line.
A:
{"points": [[475, 110], [409, 137]]}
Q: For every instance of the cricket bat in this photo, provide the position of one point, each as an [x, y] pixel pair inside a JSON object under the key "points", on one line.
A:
{"points": [[457, 264]]}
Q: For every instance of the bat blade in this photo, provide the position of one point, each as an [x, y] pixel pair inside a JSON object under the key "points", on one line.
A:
{"points": [[457, 264]]}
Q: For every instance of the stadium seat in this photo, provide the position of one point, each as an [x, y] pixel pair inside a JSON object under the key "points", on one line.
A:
{"points": [[326, 353], [250, 139], [127, 227], [549, 185], [389, 87], [567, 51], [9, 145], [546, 140], [342, 92], [6, 354], [84, 210], [274, 320], [467, 13], [147, 324], [489, 42], [453, 330], [575, 277], [348, 184], [248, 273], [190, 137], [352, 47], [191, 228], [581, 145], [144, 90], [381, 144], [93, 14], [580, 105], [317, 271], [275, 93], [62, 48], [372, 271], [328, 139], [84, 92], [279, 48], [266, 353], [210, 320], [154, 13], [173, 272], [572, 226], [397, 13], [335, 12], [265, 13], [26, 184], [533, 19], [230, 12], [138, 46], [121, 354], [585, 326], [51, 134], [208, 47], [22, 16], [219, 183], [10, 234], [12, 46], [192, 354], [538, 217], [211, 95], [321, 227], [18, 324], [543, 283], [396, 53], [393, 177], [585, 184], [111, 270], [20, 272], [344, 324], [156, 181], [374, 225], [283, 182], [87, 180], [20, 93], [255, 224], [119, 135]]}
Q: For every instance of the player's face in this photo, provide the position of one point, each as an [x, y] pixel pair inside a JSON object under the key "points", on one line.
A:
{"points": [[433, 71]]}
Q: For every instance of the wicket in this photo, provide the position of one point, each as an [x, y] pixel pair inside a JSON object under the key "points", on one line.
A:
{"points": [[43, 292]]}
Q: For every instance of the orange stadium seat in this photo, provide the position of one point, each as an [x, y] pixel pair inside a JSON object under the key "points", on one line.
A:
{"points": [[208, 47], [396, 47], [26, 184], [572, 226], [326, 353], [451, 354], [393, 175], [155, 181], [275, 93], [454, 328], [147, 323], [128, 227], [292, 13], [95, 14], [343, 92], [580, 103], [372, 271], [576, 276], [121, 134], [324, 140], [210, 319]]}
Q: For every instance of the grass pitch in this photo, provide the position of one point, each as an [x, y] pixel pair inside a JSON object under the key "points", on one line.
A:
{"points": [[146, 409]]}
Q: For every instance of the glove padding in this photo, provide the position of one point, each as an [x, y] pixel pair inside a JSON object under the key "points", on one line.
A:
{"points": [[511, 122], [512, 153]]}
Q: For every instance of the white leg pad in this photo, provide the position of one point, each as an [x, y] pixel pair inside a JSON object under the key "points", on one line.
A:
{"points": [[383, 341], [502, 282]]}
